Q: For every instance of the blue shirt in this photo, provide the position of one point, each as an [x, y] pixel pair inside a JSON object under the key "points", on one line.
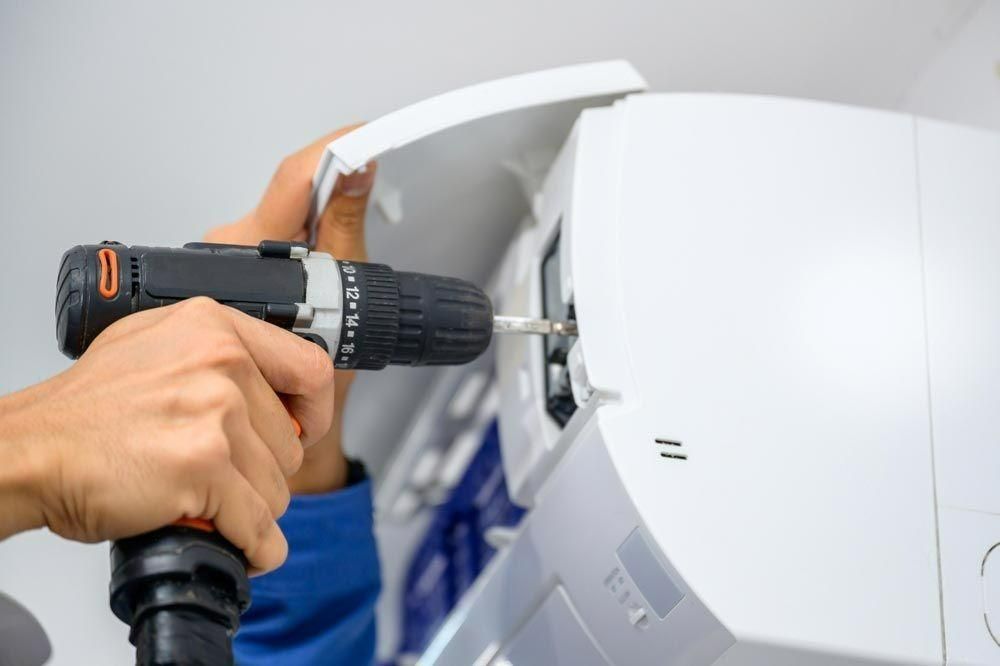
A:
{"points": [[319, 607]]}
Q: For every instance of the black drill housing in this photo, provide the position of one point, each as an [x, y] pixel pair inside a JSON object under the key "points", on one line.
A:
{"points": [[397, 318]]}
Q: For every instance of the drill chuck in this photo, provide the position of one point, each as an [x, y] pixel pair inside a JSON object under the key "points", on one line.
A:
{"points": [[402, 318], [365, 315]]}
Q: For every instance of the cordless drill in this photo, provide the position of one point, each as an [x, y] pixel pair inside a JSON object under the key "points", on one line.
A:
{"points": [[182, 588]]}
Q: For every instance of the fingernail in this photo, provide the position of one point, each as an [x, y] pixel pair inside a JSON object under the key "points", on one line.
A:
{"points": [[359, 183]]}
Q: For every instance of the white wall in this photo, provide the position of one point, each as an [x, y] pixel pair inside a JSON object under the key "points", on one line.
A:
{"points": [[147, 123]]}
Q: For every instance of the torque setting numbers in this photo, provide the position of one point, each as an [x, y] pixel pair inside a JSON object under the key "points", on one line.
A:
{"points": [[352, 314], [369, 323]]}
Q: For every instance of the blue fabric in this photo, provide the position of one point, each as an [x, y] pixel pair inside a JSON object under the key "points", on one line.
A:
{"points": [[319, 607]]}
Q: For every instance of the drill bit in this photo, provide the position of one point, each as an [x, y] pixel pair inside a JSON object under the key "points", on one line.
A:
{"points": [[503, 324]]}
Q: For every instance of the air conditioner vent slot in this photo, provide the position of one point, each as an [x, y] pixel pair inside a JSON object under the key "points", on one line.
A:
{"points": [[669, 448]]}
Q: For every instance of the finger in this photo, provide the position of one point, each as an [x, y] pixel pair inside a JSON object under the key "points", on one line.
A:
{"points": [[241, 232], [283, 209], [315, 414], [272, 422], [287, 364], [341, 229], [292, 366], [245, 520], [259, 464], [134, 323]]}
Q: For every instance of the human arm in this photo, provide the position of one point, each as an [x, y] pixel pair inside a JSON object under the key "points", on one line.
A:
{"points": [[170, 413]]}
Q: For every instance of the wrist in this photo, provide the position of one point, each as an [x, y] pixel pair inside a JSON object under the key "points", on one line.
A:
{"points": [[25, 463], [324, 467]]}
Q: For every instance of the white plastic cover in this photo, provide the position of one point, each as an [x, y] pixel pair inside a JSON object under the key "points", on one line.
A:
{"points": [[453, 173], [457, 178]]}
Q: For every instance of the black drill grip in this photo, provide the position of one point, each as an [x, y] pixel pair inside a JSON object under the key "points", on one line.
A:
{"points": [[181, 590]]}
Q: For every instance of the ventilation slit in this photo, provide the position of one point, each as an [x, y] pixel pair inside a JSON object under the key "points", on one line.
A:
{"points": [[672, 453], [674, 456], [135, 275]]}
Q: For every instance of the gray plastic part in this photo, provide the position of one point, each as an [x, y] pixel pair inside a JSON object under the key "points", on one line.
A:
{"points": [[22, 640], [649, 576]]}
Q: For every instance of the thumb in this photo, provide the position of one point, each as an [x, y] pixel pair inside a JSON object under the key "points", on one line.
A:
{"points": [[341, 229]]}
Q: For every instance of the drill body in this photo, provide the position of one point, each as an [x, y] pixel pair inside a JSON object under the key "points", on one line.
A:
{"points": [[182, 588], [364, 315]]}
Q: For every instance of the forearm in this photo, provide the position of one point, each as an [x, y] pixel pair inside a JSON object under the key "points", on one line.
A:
{"points": [[324, 467], [22, 464]]}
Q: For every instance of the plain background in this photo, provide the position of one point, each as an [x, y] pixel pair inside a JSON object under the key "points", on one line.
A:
{"points": [[149, 123]]}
